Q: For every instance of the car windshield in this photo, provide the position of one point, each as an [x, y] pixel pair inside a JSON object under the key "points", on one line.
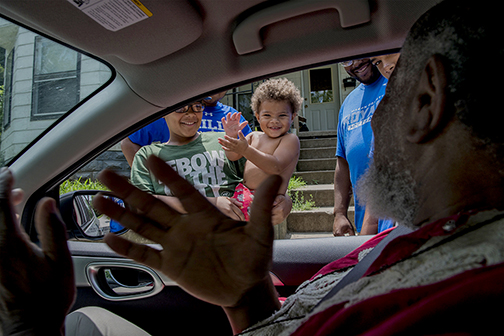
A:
{"points": [[40, 81]]}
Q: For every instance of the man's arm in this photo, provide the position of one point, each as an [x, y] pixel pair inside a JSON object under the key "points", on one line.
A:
{"points": [[369, 224], [203, 249], [342, 195], [129, 149]]}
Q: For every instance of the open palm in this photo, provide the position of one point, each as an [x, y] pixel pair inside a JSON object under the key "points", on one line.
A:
{"points": [[208, 254]]}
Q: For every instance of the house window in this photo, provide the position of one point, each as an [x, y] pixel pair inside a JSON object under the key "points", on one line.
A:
{"points": [[7, 93], [239, 98], [55, 79], [321, 90]]}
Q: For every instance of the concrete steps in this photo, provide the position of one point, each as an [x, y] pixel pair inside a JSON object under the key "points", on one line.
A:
{"points": [[316, 166], [316, 176]]}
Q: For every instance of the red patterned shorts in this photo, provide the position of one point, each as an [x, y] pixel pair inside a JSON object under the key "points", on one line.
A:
{"points": [[245, 196]]}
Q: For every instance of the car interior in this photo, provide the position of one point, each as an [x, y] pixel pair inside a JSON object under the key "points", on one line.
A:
{"points": [[148, 58]]}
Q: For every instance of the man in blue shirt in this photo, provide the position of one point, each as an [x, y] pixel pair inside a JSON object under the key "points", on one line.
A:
{"points": [[158, 130], [354, 141]]}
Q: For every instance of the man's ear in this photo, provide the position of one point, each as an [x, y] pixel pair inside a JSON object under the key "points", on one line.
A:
{"points": [[428, 114]]}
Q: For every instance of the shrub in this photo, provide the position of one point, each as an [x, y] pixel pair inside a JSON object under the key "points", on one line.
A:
{"points": [[74, 185], [298, 201]]}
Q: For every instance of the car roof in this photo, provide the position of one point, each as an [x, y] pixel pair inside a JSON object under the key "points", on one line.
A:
{"points": [[182, 50], [187, 48]]}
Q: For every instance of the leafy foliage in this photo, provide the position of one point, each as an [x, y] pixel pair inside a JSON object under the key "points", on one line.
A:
{"points": [[73, 185], [298, 201]]}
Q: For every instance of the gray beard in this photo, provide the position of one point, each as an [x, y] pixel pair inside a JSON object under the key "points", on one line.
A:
{"points": [[389, 192]]}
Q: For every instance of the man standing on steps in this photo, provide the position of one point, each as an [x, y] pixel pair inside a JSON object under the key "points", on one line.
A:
{"points": [[354, 141]]}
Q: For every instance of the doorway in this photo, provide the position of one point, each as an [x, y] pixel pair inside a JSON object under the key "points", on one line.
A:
{"points": [[321, 98]]}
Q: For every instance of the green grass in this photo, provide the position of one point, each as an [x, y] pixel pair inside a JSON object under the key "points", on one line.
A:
{"points": [[74, 185], [298, 201]]}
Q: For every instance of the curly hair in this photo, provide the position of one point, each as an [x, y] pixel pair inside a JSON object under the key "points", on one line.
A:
{"points": [[277, 89]]}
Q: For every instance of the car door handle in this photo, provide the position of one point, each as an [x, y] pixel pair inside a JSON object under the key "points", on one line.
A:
{"points": [[116, 281], [247, 38]]}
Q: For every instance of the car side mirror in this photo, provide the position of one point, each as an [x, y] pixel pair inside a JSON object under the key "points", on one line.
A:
{"points": [[83, 220]]}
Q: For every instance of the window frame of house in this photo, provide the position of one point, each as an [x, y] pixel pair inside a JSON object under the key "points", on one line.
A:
{"points": [[7, 94], [40, 79], [321, 77]]}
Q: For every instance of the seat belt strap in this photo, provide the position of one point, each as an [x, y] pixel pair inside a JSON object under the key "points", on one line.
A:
{"points": [[358, 271]]}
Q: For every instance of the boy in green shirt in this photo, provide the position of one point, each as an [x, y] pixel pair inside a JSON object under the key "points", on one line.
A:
{"points": [[198, 157]]}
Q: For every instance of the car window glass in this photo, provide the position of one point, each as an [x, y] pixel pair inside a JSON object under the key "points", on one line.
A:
{"points": [[40, 80], [323, 90]]}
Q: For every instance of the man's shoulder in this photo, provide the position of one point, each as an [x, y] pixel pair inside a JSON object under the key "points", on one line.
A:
{"points": [[355, 94], [155, 131], [378, 86], [221, 109], [226, 108], [157, 125]]}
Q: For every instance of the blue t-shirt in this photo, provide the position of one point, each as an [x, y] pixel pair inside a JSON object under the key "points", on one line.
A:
{"points": [[210, 122], [355, 134]]}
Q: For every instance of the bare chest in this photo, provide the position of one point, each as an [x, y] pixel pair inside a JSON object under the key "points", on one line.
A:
{"points": [[264, 143]]}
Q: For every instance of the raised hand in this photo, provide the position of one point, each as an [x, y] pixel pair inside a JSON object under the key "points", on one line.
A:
{"points": [[231, 124], [239, 146], [36, 284], [214, 258]]}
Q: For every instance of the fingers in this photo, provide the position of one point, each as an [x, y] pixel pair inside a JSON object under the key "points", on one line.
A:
{"points": [[6, 182], [243, 124], [232, 117], [230, 141], [17, 196], [229, 117], [224, 143], [7, 216], [141, 200], [235, 202], [142, 224], [260, 214], [241, 136], [138, 252], [191, 199], [345, 230], [278, 199], [238, 213], [351, 232], [52, 231]]}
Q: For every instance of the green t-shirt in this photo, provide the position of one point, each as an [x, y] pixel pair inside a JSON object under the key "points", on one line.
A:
{"points": [[202, 162]]}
